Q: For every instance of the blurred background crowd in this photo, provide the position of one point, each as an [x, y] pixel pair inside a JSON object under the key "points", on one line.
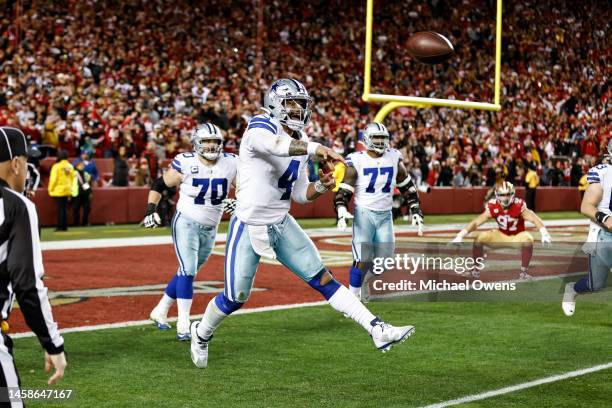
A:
{"points": [[130, 79]]}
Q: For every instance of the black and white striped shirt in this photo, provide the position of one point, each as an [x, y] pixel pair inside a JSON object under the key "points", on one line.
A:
{"points": [[21, 268]]}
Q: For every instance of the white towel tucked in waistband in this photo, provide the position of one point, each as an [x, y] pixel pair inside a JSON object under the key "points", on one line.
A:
{"points": [[260, 240]]}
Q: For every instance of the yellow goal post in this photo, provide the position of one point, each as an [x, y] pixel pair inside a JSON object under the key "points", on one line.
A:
{"points": [[396, 101]]}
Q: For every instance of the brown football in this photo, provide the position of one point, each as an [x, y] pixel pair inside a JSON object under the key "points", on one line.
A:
{"points": [[429, 47]]}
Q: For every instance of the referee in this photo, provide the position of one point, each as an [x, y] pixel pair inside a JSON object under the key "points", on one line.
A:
{"points": [[21, 266]]}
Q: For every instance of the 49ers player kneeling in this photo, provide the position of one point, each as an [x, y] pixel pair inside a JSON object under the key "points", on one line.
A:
{"points": [[510, 213]]}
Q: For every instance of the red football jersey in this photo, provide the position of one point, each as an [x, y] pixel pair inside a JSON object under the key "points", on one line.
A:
{"points": [[509, 220]]}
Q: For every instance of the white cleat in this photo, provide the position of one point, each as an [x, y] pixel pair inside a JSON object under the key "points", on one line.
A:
{"points": [[569, 299], [525, 276], [386, 335], [199, 347], [182, 330], [160, 318]]}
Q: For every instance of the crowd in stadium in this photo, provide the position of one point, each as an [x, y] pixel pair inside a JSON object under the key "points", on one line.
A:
{"points": [[130, 79]]}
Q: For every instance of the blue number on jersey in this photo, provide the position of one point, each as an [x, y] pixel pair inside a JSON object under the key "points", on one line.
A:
{"points": [[288, 178], [373, 173], [216, 196]]}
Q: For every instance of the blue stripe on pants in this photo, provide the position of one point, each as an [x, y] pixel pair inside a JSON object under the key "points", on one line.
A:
{"points": [[233, 261], [228, 244], [178, 254]]}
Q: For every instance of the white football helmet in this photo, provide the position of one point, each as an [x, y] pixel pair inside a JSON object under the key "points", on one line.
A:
{"points": [[202, 133], [288, 101], [504, 193], [376, 137]]}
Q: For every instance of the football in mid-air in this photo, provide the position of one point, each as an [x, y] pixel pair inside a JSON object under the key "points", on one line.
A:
{"points": [[429, 47]]}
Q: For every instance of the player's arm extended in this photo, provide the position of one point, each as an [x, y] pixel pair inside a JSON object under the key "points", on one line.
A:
{"points": [[533, 218], [171, 178], [592, 197], [472, 226], [284, 146]]}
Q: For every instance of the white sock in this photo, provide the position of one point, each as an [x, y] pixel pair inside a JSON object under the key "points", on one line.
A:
{"points": [[165, 303], [355, 291], [184, 308], [346, 302], [213, 316]]}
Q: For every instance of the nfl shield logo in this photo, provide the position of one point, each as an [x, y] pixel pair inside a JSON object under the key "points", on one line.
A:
{"points": [[194, 169]]}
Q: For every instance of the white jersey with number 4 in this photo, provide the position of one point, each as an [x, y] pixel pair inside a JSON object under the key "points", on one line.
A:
{"points": [[375, 178], [267, 182], [204, 187]]}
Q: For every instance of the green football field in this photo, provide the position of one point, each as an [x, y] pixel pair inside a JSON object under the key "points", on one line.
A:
{"points": [[314, 357]]}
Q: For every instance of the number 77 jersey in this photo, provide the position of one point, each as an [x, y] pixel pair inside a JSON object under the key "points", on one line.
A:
{"points": [[375, 178], [204, 187]]}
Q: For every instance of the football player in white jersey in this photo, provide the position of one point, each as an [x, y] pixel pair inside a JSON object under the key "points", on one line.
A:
{"points": [[204, 176], [596, 205], [272, 171], [372, 175]]}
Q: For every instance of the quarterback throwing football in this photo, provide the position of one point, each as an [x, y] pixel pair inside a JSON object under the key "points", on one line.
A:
{"points": [[510, 213], [272, 171]]}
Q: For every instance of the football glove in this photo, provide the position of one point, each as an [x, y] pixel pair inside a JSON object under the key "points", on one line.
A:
{"points": [[546, 238], [416, 216], [229, 205], [152, 219], [343, 216]]}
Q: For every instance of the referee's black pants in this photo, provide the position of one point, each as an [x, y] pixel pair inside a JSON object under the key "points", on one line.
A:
{"points": [[9, 378]]}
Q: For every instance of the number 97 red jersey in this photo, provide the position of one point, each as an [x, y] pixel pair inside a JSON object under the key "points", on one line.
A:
{"points": [[509, 220]]}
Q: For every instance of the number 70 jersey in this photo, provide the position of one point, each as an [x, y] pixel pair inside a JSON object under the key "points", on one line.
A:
{"points": [[375, 178], [204, 187]]}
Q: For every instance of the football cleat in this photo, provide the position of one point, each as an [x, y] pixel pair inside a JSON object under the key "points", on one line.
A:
{"points": [[525, 276], [182, 330], [160, 318], [386, 335], [199, 347], [569, 299]]}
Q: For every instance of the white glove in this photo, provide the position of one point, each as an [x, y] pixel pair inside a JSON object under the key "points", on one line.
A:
{"points": [[343, 216], [229, 205], [152, 221], [546, 238], [459, 238], [416, 217]]}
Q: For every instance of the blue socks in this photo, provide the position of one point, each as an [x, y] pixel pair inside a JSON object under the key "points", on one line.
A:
{"points": [[171, 288], [184, 287], [355, 277]]}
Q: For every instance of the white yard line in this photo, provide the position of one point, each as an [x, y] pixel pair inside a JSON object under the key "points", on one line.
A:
{"points": [[522, 386], [313, 232], [172, 319]]}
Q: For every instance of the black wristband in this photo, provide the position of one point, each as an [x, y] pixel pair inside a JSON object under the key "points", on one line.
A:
{"points": [[601, 217], [151, 208]]}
